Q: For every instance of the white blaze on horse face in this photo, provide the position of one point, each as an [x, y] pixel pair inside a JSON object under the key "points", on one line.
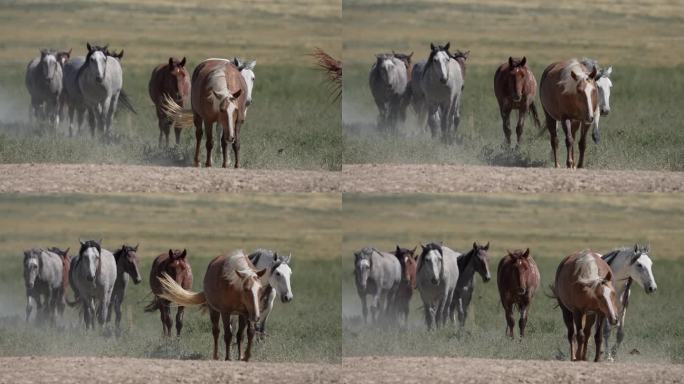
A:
{"points": [[256, 287], [641, 271], [604, 84], [100, 61], [363, 269], [280, 279], [32, 267], [91, 258], [434, 261], [230, 114], [49, 66], [441, 58], [588, 92]]}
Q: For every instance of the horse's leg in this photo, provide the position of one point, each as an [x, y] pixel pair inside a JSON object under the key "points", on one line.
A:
{"points": [[364, 308], [375, 302], [598, 337], [80, 115], [197, 120], [569, 143], [456, 112], [227, 333], [522, 323], [242, 323], [250, 341], [161, 123], [570, 326], [179, 320], [117, 310], [582, 144], [266, 311], [606, 339], [522, 114], [467, 298], [579, 319], [589, 322], [177, 128], [446, 117], [432, 120], [91, 120], [428, 316], [236, 145], [30, 303], [162, 314], [506, 119], [510, 321], [111, 106], [553, 136], [215, 331], [209, 145]]}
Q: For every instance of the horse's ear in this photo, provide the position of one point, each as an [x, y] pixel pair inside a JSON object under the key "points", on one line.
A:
{"points": [[432, 47], [260, 273], [510, 61], [592, 75], [182, 63], [185, 253], [466, 54], [609, 275], [523, 61], [100, 242], [120, 55], [474, 244], [574, 75], [239, 274], [398, 249], [237, 94], [69, 54], [446, 47], [170, 62], [413, 251], [250, 65], [410, 55], [608, 72], [81, 241], [275, 256], [136, 247], [89, 47], [171, 253], [636, 248], [527, 253], [287, 259], [486, 247]]}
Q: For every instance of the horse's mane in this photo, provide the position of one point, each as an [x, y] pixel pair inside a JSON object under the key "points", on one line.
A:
{"points": [[89, 244], [566, 80], [237, 261], [465, 259], [125, 248], [586, 268], [609, 257]]}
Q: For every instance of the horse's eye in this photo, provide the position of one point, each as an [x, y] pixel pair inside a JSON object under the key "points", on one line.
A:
{"points": [[277, 273]]}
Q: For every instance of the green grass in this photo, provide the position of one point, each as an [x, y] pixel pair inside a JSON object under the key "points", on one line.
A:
{"points": [[552, 226], [307, 329]]}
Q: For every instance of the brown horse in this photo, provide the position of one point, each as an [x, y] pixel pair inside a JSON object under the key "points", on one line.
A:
{"points": [[515, 87], [409, 264], [461, 58], [175, 264], [568, 94], [585, 294], [231, 286], [170, 79], [518, 280]]}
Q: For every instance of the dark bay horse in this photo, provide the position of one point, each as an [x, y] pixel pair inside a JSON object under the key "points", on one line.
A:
{"points": [[518, 280], [126, 265], [408, 259], [170, 79], [175, 264], [66, 263], [515, 88], [474, 261]]}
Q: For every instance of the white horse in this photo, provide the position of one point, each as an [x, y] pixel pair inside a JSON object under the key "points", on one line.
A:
{"points": [[377, 274], [388, 81], [603, 85], [278, 282], [442, 85], [100, 80], [627, 264], [44, 283], [44, 84], [436, 279]]}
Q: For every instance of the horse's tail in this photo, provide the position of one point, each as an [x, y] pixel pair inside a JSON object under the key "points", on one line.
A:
{"points": [[535, 116], [174, 112], [126, 102], [333, 69], [173, 292]]}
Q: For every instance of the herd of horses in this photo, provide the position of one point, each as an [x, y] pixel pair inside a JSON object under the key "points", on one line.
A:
{"points": [[219, 91], [235, 285], [590, 288], [573, 93]]}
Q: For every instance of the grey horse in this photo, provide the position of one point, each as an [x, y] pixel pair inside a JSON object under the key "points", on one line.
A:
{"points": [[388, 81], [44, 283], [92, 275], [278, 282], [474, 261], [627, 264], [72, 94], [436, 279], [377, 274], [441, 81], [44, 83], [126, 265]]}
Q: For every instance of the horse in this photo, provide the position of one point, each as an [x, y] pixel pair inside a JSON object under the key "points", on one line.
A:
{"points": [[278, 282], [231, 286], [461, 57], [475, 260], [436, 280], [170, 79], [92, 275], [515, 88], [217, 95], [442, 84], [627, 264], [585, 293], [388, 82], [377, 274], [517, 278], [568, 94], [246, 69], [44, 83], [175, 264], [44, 282], [72, 94], [62, 58], [126, 265], [603, 85], [66, 262], [409, 261]]}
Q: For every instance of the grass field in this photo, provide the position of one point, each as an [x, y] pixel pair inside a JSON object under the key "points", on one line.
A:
{"points": [[552, 226], [292, 123], [639, 40], [308, 329]]}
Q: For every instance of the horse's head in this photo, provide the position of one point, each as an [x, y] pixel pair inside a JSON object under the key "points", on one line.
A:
{"points": [[582, 85], [229, 110], [432, 262], [251, 291], [481, 261], [640, 269], [439, 60], [90, 256], [97, 60], [246, 69], [128, 259], [517, 77], [363, 262], [31, 267], [604, 84], [48, 64], [607, 298], [63, 57], [385, 64], [408, 260], [280, 277], [178, 81], [177, 264], [521, 264]]}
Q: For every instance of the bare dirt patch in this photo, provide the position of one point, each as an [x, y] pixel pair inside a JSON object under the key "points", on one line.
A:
{"points": [[392, 178]]}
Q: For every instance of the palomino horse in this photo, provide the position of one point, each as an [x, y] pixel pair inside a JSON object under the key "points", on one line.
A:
{"points": [[518, 280], [388, 81], [126, 265], [568, 94], [515, 87], [475, 260], [377, 274], [44, 282], [409, 263], [278, 282], [436, 280], [92, 275], [44, 83], [627, 264], [231, 286], [175, 264], [170, 79], [585, 293]]}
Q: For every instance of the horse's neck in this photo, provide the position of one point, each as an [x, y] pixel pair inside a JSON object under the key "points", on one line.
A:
{"points": [[620, 268], [466, 269]]}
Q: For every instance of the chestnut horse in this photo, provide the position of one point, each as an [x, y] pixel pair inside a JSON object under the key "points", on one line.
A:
{"points": [[409, 264], [518, 280], [515, 87], [170, 79], [585, 293], [175, 264], [231, 286], [568, 94]]}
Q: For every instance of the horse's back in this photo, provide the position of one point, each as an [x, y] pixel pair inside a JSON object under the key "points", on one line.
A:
{"points": [[451, 271], [107, 269], [70, 77]]}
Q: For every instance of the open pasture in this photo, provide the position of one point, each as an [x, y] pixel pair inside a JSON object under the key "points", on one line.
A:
{"points": [[552, 226], [307, 329]]}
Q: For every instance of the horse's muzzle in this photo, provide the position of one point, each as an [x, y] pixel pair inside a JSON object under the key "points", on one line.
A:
{"points": [[248, 102], [137, 280], [90, 278], [522, 291], [486, 278], [99, 79], [605, 112], [516, 98], [286, 298], [651, 289], [434, 281], [29, 285], [443, 80]]}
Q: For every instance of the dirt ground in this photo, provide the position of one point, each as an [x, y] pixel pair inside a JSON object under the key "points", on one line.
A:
{"points": [[391, 178]]}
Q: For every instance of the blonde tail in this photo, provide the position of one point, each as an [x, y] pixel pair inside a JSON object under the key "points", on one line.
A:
{"points": [[173, 292], [180, 117]]}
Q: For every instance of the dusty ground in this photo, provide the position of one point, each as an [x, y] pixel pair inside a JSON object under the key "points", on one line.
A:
{"points": [[90, 178], [390, 178], [460, 370]]}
